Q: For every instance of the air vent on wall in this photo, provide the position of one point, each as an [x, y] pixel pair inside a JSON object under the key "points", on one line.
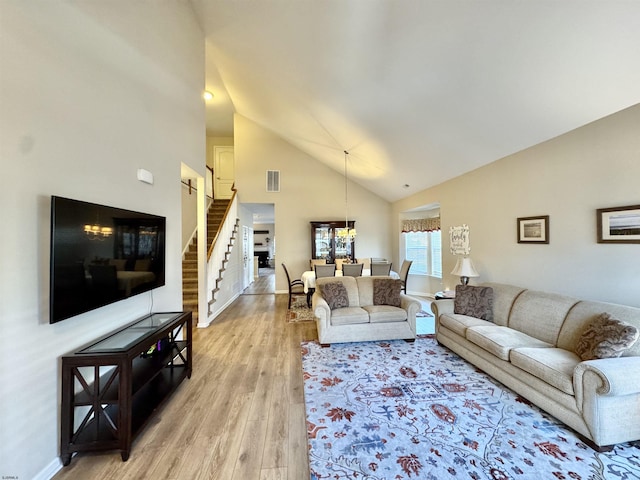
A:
{"points": [[273, 180]]}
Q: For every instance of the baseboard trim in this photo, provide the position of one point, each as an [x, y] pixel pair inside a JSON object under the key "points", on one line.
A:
{"points": [[48, 472], [215, 314]]}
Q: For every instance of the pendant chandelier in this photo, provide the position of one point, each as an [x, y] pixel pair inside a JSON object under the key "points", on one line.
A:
{"points": [[347, 232]]}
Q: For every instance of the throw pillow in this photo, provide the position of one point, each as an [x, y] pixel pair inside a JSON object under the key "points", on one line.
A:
{"points": [[474, 301], [335, 294], [386, 291], [606, 337]]}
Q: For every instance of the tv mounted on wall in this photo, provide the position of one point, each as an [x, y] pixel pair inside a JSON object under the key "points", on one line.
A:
{"points": [[101, 255]]}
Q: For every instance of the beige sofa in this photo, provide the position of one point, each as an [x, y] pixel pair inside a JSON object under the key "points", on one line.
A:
{"points": [[363, 321], [529, 347]]}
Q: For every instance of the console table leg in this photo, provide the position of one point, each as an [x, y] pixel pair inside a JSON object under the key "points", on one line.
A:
{"points": [[125, 455], [66, 459]]}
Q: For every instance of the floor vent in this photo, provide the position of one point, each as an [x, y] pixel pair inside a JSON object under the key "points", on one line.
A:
{"points": [[273, 180]]}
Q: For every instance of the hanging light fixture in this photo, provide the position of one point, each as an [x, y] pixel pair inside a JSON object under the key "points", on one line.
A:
{"points": [[348, 233]]}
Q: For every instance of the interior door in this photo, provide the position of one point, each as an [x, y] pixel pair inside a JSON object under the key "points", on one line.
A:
{"points": [[247, 256], [224, 173]]}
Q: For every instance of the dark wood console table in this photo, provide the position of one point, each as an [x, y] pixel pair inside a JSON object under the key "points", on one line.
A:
{"points": [[114, 385]]}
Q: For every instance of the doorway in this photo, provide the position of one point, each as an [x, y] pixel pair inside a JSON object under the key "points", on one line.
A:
{"points": [[264, 248]]}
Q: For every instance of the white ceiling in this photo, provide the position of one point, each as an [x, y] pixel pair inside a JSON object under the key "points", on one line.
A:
{"points": [[418, 91]]}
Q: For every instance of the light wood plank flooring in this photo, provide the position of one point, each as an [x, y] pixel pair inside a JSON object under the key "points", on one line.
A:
{"points": [[240, 416]]}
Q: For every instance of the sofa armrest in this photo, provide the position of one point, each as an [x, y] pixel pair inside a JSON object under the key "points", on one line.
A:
{"points": [[410, 304], [322, 312], [608, 376], [438, 307]]}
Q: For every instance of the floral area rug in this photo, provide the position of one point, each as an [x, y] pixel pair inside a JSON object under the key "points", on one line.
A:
{"points": [[299, 312], [396, 410]]}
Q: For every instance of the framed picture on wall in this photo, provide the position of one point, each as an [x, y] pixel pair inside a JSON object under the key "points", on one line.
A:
{"points": [[459, 240], [619, 224], [533, 229]]}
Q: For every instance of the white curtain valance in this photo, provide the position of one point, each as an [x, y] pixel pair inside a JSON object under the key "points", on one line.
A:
{"points": [[421, 225]]}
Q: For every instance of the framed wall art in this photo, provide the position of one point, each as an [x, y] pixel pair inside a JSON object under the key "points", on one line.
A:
{"points": [[619, 224], [533, 229], [459, 240]]}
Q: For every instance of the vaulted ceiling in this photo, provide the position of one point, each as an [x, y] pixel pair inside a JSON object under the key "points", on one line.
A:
{"points": [[418, 91]]}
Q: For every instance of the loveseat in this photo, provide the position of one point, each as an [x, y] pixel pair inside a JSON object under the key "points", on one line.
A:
{"points": [[374, 309], [534, 343]]}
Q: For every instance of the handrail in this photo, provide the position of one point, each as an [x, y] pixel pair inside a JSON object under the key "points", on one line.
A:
{"points": [[191, 188], [224, 218], [213, 183]]}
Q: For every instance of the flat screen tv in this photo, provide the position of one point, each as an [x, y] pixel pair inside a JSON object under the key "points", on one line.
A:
{"points": [[101, 255]]}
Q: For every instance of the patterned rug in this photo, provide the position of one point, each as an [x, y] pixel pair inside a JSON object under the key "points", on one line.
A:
{"points": [[299, 312], [396, 410]]}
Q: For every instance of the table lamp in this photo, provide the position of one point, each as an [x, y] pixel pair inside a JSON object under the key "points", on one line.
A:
{"points": [[464, 269]]}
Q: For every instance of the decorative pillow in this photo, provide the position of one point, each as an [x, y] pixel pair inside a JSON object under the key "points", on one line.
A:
{"points": [[386, 291], [335, 295], [474, 301], [606, 337]]}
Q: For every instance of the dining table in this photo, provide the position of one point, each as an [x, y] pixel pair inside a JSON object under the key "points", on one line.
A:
{"points": [[309, 280]]}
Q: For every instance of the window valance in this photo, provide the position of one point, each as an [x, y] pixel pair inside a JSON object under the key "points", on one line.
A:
{"points": [[421, 225]]}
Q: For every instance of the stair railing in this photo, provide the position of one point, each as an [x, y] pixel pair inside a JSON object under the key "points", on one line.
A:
{"points": [[218, 247], [227, 213]]}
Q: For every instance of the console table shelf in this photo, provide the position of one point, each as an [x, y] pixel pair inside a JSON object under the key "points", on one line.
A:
{"points": [[113, 386]]}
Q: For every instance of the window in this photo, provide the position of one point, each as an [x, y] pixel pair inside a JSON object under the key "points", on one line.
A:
{"points": [[425, 249]]}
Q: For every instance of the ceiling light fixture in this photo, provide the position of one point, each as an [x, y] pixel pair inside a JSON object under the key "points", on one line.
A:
{"points": [[347, 232]]}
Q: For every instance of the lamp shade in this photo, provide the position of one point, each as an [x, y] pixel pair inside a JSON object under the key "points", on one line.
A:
{"points": [[464, 268]]}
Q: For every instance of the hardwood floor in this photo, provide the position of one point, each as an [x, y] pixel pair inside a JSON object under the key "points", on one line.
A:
{"points": [[240, 416]]}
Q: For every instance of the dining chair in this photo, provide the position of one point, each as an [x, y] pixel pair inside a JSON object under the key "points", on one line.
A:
{"points": [[316, 261], [328, 270], [296, 287], [404, 273], [352, 269], [380, 268], [366, 262]]}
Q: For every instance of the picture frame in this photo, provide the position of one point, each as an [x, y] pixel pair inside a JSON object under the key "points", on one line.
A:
{"points": [[533, 229], [459, 240], [619, 224]]}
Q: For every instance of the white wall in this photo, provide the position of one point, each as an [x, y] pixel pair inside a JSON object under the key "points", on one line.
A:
{"points": [[567, 178], [309, 190], [189, 214], [90, 92]]}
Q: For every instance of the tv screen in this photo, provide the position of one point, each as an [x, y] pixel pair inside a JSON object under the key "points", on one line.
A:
{"points": [[100, 255]]}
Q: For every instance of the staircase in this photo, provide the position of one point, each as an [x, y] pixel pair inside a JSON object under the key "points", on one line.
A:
{"points": [[225, 260], [215, 216]]}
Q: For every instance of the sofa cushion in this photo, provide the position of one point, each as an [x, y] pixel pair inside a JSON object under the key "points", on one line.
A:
{"points": [[348, 282], [349, 316], [335, 294], [503, 298], [386, 291], [501, 340], [585, 311], [540, 314], [553, 365], [606, 337], [474, 301], [460, 323], [385, 313]]}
